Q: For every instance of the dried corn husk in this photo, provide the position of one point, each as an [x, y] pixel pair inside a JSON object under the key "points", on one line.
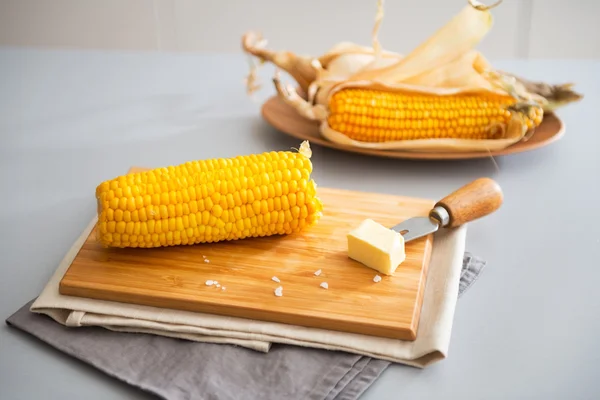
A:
{"points": [[299, 67], [556, 96], [341, 61], [454, 39]]}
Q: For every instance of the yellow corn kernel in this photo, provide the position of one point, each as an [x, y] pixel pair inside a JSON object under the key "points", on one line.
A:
{"points": [[391, 116], [208, 201]]}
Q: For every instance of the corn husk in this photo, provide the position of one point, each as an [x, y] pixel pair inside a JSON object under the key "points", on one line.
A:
{"points": [[299, 67], [337, 64], [555, 96], [449, 43]]}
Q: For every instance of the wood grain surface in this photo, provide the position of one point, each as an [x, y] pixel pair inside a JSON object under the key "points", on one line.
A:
{"points": [[476, 199], [175, 277], [285, 119]]}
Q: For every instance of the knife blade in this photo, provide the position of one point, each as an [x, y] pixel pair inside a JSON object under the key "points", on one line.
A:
{"points": [[468, 203]]}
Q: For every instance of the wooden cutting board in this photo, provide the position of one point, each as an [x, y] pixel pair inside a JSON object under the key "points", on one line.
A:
{"points": [[175, 277]]}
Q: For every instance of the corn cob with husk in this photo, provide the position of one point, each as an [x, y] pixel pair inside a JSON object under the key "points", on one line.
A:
{"points": [[443, 96], [210, 201]]}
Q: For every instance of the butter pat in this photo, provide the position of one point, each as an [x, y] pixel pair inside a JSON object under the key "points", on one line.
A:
{"points": [[376, 247]]}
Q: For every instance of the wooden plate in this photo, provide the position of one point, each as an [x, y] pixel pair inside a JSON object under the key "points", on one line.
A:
{"points": [[284, 118]]}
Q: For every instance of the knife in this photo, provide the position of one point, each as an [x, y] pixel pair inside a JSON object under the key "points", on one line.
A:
{"points": [[470, 202]]}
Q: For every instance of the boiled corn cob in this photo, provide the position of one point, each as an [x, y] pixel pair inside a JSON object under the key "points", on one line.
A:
{"points": [[370, 115], [209, 201]]}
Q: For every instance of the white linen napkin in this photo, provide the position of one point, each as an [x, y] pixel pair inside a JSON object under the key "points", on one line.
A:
{"points": [[431, 345]]}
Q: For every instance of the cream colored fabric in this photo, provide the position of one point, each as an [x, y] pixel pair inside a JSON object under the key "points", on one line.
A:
{"points": [[431, 345]]}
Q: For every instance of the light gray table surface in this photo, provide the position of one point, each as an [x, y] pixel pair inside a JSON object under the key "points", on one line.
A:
{"points": [[528, 329]]}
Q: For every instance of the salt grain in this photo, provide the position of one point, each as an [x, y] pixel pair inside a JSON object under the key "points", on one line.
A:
{"points": [[377, 278], [317, 273], [276, 279], [324, 285], [223, 288], [279, 291], [206, 261], [209, 283], [218, 285]]}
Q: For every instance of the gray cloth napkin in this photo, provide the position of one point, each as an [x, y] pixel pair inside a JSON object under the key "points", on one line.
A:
{"points": [[181, 369]]}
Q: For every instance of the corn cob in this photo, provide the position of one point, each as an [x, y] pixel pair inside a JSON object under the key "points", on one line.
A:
{"points": [[209, 201], [370, 115]]}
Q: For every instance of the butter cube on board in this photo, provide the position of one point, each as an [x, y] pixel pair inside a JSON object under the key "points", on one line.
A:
{"points": [[376, 246]]}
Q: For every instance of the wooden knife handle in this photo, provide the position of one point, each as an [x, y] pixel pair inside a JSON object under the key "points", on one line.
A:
{"points": [[472, 201]]}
